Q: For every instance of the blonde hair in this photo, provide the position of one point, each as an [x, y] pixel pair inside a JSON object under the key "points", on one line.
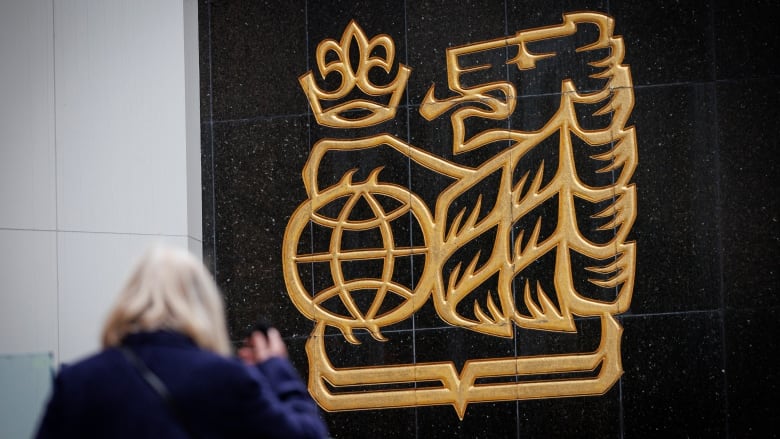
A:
{"points": [[170, 289]]}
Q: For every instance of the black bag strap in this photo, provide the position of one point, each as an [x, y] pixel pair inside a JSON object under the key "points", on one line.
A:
{"points": [[157, 385]]}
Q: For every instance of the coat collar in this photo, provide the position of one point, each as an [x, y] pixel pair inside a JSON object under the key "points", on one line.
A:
{"points": [[158, 338]]}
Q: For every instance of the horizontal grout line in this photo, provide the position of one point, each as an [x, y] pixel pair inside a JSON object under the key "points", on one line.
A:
{"points": [[15, 229], [621, 316], [438, 328], [98, 232], [253, 119], [417, 105], [124, 233], [665, 314]]}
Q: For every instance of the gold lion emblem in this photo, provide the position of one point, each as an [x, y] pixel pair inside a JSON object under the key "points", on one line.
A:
{"points": [[449, 278]]}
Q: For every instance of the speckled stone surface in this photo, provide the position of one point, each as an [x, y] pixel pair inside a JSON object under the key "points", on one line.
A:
{"points": [[699, 340]]}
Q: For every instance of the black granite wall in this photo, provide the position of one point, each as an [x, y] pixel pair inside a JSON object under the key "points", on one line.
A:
{"points": [[699, 341]]}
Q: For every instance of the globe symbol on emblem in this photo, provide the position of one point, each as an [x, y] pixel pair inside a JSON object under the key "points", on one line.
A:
{"points": [[359, 302]]}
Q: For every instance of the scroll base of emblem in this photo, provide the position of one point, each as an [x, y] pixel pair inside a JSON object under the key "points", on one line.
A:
{"points": [[596, 373]]}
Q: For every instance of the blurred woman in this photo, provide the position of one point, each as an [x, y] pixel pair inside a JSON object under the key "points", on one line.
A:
{"points": [[166, 369]]}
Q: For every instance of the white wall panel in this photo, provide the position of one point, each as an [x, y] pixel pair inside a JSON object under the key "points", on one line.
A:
{"points": [[120, 103], [28, 291], [195, 247], [99, 157], [27, 157], [93, 267], [192, 114]]}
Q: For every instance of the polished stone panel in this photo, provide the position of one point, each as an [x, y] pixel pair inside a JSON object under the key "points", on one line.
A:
{"points": [[571, 417], [677, 183], [667, 42], [434, 26], [207, 197], [254, 71], [751, 365], [481, 420], [745, 38], [674, 382], [750, 199], [257, 186], [697, 343]]}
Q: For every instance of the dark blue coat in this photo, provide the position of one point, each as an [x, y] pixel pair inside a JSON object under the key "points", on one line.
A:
{"points": [[104, 396]]}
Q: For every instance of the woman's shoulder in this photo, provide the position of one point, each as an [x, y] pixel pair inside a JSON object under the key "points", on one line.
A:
{"points": [[90, 372], [95, 364], [175, 360]]}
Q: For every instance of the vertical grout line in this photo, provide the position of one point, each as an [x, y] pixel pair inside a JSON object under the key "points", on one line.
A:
{"points": [[515, 350], [719, 216], [409, 169], [621, 321], [56, 180], [621, 409], [308, 129], [309, 125], [411, 215], [306, 45], [211, 144]]}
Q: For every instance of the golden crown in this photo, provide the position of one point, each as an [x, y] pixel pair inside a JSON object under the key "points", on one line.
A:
{"points": [[338, 116]]}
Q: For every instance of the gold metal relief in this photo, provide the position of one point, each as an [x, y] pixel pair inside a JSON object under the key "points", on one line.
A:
{"points": [[351, 78], [512, 252]]}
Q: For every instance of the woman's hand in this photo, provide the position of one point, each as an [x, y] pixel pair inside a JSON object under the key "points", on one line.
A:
{"points": [[259, 347]]}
